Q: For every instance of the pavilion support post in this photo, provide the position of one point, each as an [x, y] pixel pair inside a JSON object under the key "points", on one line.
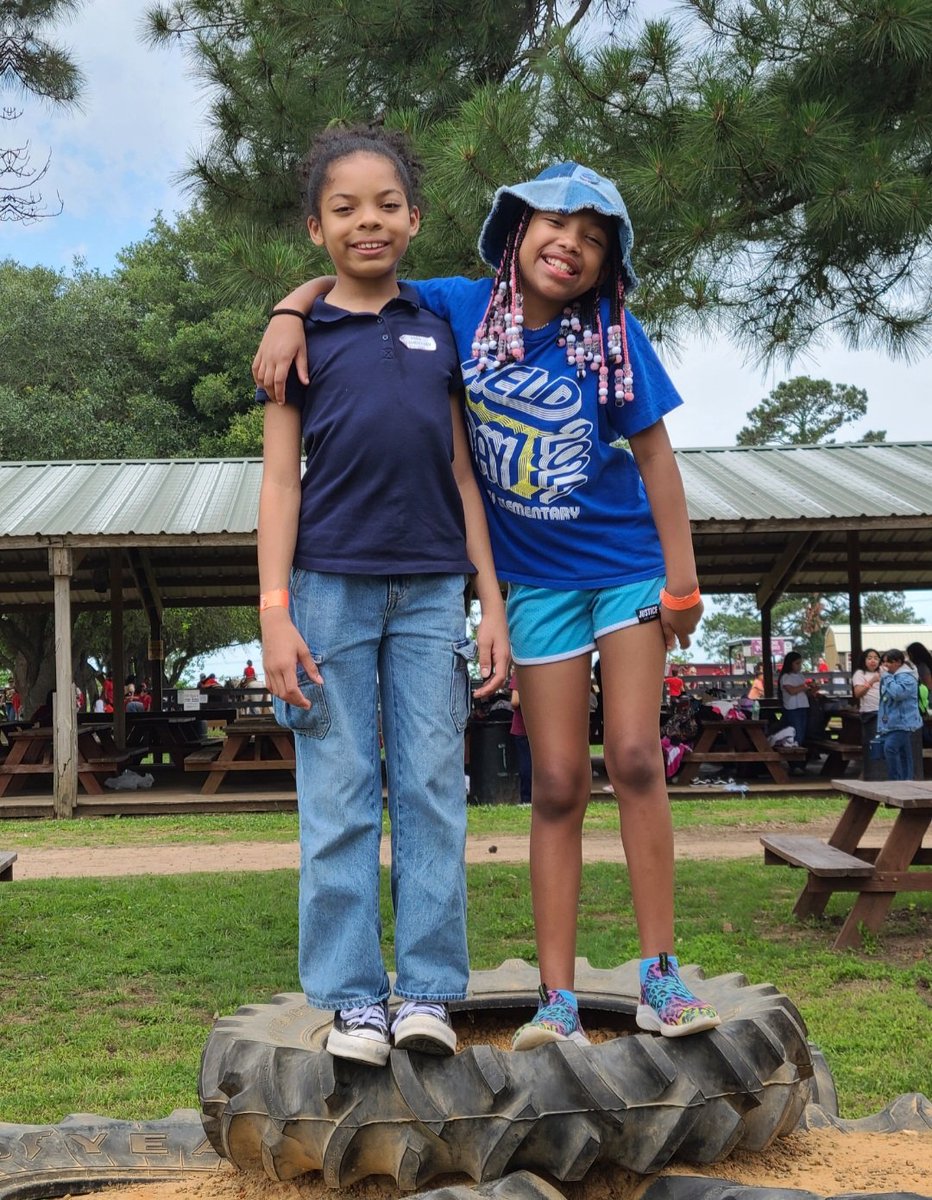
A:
{"points": [[156, 661], [854, 595], [766, 634], [64, 718], [117, 656]]}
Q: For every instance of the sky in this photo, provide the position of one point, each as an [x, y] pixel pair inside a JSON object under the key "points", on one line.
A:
{"points": [[116, 164]]}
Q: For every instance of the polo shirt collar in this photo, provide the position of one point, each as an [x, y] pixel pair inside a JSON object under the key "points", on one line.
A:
{"points": [[327, 313]]}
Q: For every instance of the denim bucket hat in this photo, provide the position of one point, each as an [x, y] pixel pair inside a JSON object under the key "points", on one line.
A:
{"points": [[563, 188]]}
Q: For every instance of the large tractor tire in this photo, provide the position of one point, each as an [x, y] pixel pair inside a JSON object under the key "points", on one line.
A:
{"points": [[274, 1100], [695, 1187]]}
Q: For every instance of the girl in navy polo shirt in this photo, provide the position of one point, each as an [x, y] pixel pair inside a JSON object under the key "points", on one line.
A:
{"points": [[593, 537], [362, 563]]}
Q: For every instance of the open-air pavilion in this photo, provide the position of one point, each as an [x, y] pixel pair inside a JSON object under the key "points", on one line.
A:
{"points": [[155, 534]]}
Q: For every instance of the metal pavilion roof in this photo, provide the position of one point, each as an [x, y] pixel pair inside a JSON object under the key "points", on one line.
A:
{"points": [[764, 519]]}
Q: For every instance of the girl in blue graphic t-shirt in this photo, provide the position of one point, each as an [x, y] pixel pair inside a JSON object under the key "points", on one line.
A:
{"points": [[593, 538], [362, 567]]}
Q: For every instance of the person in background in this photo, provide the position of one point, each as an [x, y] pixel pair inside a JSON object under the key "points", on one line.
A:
{"points": [[522, 743], [43, 714], [865, 687], [673, 683], [756, 690], [793, 690], [921, 659], [898, 716], [249, 673]]}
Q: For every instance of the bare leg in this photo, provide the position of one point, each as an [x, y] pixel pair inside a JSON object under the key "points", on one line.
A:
{"points": [[555, 704], [632, 681]]}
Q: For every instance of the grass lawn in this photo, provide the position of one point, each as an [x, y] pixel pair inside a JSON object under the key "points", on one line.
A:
{"points": [[736, 812], [109, 987]]}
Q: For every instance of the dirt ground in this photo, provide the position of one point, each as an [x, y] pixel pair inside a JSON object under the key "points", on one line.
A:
{"points": [[827, 1162], [726, 842]]}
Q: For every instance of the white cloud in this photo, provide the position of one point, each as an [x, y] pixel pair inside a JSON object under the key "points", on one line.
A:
{"points": [[116, 159]]}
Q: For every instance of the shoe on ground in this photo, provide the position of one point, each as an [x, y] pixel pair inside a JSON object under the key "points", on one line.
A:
{"points": [[424, 1026], [361, 1034], [667, 1005], [556, 1020]]}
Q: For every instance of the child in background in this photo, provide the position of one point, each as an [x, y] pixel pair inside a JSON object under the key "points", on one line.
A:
{"points": [[363, 563], [593, 538], [521, 742]]}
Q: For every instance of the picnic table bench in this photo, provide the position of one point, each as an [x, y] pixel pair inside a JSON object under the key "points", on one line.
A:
{"points": [[7, 859], [251, 744], [875, 873]]}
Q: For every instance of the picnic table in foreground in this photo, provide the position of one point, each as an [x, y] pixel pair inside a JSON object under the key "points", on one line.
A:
{"points": [[843, 864]]}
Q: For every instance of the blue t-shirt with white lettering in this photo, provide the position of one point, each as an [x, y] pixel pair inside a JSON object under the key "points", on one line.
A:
{"points": [[378, 494], [566, 508]]}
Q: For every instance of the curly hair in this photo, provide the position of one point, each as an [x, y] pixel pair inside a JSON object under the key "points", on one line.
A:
{"points": [[338, 142]]}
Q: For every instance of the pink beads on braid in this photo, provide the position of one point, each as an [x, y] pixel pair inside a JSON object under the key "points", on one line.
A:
{"points": [[499, 337]]}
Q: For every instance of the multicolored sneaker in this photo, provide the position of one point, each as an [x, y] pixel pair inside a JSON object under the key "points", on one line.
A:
{"points": [[556, 1020], [667, 1005]]}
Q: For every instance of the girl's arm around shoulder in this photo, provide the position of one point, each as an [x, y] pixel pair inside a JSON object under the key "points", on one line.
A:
{"points": [[664, 487], [279, 509], [284, 341], [492, 634], [449, 295]]}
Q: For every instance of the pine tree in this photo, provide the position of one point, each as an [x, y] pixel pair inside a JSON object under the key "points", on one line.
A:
{"points": [[31, 65], [775, 154]]}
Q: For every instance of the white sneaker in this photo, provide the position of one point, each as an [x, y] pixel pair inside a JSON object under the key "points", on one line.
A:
{"points": [[424, 1025], [361, 1034]]}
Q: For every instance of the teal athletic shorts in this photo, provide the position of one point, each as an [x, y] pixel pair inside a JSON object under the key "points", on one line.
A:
{"points": [[548, 626]]}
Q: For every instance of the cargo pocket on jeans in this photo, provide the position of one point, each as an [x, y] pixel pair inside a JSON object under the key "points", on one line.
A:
{"points": [[311, 722], [460, 697]]}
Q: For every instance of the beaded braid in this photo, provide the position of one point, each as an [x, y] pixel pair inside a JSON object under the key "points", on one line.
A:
{"points": [[500, 334], [499, 337]]}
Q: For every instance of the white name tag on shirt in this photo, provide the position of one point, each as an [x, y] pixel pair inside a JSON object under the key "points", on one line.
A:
{"points": [[415, 341]]}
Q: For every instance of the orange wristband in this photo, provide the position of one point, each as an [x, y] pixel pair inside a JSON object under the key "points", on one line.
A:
{"points": [[679, 603], [275, 599]]}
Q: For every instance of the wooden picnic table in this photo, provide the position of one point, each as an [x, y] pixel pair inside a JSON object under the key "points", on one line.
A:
{"points": [[736, 742], [876, 873], [158, 733], [32, 753], [251, 744]]}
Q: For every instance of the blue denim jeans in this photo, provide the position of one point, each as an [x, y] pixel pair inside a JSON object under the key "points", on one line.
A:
{"points": [[395, 644], [898, 754], [798, 718]]}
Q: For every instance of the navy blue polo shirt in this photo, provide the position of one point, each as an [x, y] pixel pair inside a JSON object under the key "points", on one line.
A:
{"points": [[378, 496]]}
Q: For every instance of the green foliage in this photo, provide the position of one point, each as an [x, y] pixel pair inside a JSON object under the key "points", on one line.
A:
{"points": [[803, 411], [194, 345], [775, 155], [804, 618], [187, 633]]}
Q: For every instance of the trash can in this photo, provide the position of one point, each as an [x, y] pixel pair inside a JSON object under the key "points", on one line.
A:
{"points": [[493, 764]]}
